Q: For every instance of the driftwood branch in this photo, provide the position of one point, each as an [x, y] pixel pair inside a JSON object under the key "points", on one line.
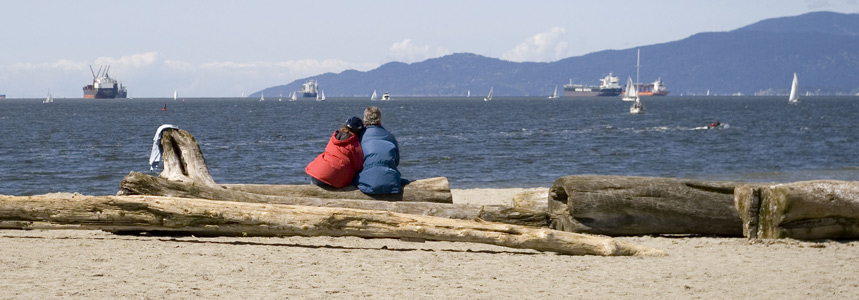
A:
{"points": [[807, 210], [205, 217], [626, 205], [142, 184]]}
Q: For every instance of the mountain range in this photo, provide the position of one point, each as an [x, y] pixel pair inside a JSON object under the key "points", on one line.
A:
{"points": [[758, 59]]}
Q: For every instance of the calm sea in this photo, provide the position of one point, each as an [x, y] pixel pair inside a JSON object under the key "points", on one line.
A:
{"points": [[88, 146]]}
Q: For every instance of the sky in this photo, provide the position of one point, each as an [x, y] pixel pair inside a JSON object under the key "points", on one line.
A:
{"points": [[219, 48]]}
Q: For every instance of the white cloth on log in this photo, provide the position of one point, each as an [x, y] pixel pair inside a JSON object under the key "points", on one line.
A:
{"points": [[155, 157]]}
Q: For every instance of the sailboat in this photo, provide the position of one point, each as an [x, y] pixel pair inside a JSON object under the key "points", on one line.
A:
{"points": [[555, 94], [175, 94], [794, 95], [468, 94], [489, 97], [374, 96], [49, 99], [636, 107], [261, 97], [320, 96], [293, 97]]}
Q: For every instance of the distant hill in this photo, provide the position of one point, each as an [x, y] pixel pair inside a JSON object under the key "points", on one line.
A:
{"points": [[821, 47]]}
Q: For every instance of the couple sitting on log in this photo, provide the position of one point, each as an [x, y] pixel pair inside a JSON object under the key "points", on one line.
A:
{"points": [[364, 156]]}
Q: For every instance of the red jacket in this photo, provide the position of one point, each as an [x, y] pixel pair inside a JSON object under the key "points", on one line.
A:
{"points": [[339, 163]]}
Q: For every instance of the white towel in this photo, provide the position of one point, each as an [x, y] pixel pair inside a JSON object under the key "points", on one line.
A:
{"points": [[155, 157]]}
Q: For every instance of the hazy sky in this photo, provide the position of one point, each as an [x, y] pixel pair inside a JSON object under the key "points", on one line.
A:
{"points": [[226, 48]]}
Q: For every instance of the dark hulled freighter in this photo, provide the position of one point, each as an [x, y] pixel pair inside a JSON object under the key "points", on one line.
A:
{"points": [[104, 87]]}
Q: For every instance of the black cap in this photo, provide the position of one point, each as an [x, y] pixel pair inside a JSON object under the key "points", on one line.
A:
{"points": [[355, 124]]}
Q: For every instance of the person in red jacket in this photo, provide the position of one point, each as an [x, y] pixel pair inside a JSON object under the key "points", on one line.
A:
{"points": [[342, 158]]}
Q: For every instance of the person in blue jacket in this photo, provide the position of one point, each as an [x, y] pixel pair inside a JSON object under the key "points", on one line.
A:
{"points": [[381, 157]]}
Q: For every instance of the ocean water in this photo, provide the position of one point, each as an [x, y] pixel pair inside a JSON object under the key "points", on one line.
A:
{"points": [[88, 146]]}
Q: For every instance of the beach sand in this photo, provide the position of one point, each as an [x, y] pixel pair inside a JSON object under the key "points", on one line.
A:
{"points": [[85, 264]]}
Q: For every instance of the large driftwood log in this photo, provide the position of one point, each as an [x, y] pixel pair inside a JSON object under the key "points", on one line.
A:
{"points": [[625, 205], [184, 161], [142, 184], [205, 217], [807, 210]]}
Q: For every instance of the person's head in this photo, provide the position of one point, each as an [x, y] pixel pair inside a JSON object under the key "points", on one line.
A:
{"points": [[372, 116], [353, 125]]}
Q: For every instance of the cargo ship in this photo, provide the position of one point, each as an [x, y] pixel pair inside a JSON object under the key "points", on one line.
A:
{"points": [[309, 88], [104, 87], [608, 87], [656, 88]]}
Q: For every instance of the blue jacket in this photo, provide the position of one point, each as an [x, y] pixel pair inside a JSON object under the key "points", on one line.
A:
{"points": [[381, 158]]}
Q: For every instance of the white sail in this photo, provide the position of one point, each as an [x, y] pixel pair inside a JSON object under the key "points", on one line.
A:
{"points": [[176, 94], [468, 94], [794, 95], [631, 92], [261, 97], [555, 94], [293, 97], [489, 97], [374, 96], [320, 96], [49, 98]]}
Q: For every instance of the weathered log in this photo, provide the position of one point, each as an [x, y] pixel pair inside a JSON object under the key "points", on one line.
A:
{"points": [[142, 184], [436, 189], [806, 210], [532, 200], [206, 217], [625, 205]]}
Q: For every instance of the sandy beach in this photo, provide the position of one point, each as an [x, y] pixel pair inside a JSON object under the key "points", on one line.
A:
{"points": [[86, 264]]}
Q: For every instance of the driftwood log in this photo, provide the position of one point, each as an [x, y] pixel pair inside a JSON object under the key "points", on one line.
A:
{"points": [[206, 217], [806, 210], [625, 205], [184, 161], [142, 184], [436, 189]]}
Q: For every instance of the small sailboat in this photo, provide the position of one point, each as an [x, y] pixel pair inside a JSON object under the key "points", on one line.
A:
{"points": [[794, 94], [468, 94], [48, 99], [374, 96], [261, 97], [293, 97], [489, 96], [175, 95], [555, 94], [636, 107], [320, 96]]}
